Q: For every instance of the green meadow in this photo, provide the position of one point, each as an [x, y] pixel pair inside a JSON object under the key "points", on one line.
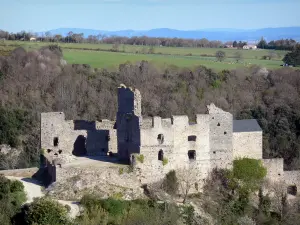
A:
{"points": [[101, 56]]}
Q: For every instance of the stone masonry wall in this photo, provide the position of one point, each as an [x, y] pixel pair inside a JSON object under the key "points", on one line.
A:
{"points": [[95, 137], [179, 137], [220, 137], [73, 182], [274, 169], [292, 178], [247, 144]]}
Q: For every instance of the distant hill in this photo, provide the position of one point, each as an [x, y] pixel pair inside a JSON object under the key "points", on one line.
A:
{"points": [[210, 34]]}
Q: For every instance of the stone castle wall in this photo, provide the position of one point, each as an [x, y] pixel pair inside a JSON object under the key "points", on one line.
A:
{"points": [[247, 144], [68, 137], [177, 141]]}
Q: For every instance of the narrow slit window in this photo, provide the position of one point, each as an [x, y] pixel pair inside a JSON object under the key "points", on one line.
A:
{"points": [[55, 141], [161, 155], [192, 154]]}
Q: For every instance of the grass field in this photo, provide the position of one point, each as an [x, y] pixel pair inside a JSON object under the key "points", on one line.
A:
{"points": [[99, 56]]}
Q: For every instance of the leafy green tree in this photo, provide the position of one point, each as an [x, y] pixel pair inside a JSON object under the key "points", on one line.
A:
{"points": [[12, 196], [293, 58], [44, 211], [247, 174], [220, 56]]}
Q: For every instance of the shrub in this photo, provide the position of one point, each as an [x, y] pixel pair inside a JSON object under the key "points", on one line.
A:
{"points": [[93, 216], [140, 158], [68, 208], [250, 172], [170, 183], [44, 211], [165, 161], [130, 169], [121, 171], [220, 55], [12, 196], [118, 195]]}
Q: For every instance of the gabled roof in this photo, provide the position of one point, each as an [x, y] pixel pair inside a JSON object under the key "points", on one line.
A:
{"points": [[246, 126]]}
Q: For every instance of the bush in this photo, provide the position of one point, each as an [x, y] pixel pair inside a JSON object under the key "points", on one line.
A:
{"points": [[170, 183], [44, 211], [220, 55], [250, 172], [165, 161], [68, 208], [114, 212], [12, 196], [117, 196], [140, 158], [93, 216], [129, 169], [121, 171]]}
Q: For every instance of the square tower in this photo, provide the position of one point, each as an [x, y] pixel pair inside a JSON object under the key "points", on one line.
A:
{"points": [[129, 117]]}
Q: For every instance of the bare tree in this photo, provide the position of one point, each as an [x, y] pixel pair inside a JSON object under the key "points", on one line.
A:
{"points": [[48, 35], [220, 56], [238, 56], [189, 179]]}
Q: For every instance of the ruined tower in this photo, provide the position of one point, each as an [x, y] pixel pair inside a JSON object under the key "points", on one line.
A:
{"points": [[220, 137], [129, 117]]}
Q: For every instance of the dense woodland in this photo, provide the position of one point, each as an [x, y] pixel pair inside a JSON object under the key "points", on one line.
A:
{"points": [[283, 44], [40, 81]]}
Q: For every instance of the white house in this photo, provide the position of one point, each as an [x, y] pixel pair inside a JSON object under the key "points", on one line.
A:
{"points": [[249, 47]]}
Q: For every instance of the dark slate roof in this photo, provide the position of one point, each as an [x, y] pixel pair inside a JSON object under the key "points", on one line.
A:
{"points": [[246, 125]]}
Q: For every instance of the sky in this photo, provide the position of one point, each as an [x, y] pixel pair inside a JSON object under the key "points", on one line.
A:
{"points": [[111, 15]]}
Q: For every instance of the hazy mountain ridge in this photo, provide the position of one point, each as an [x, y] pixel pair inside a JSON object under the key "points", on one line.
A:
{"points": [[222, 34]]}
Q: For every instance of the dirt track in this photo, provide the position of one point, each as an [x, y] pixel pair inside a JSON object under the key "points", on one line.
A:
{"points": [[33, 190]]}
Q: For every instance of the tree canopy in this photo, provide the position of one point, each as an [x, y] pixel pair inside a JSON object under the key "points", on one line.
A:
{"points": [[293, 58]]}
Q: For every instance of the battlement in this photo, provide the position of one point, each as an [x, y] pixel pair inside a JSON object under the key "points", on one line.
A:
{"points": [[174, 121]]}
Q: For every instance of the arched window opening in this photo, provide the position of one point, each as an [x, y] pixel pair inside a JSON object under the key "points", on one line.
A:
{"points": [[160, 139], [161, 155], [192, 138], [192, 154]]}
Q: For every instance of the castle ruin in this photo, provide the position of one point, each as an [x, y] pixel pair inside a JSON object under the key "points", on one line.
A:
{"points": [[212, 140]]}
